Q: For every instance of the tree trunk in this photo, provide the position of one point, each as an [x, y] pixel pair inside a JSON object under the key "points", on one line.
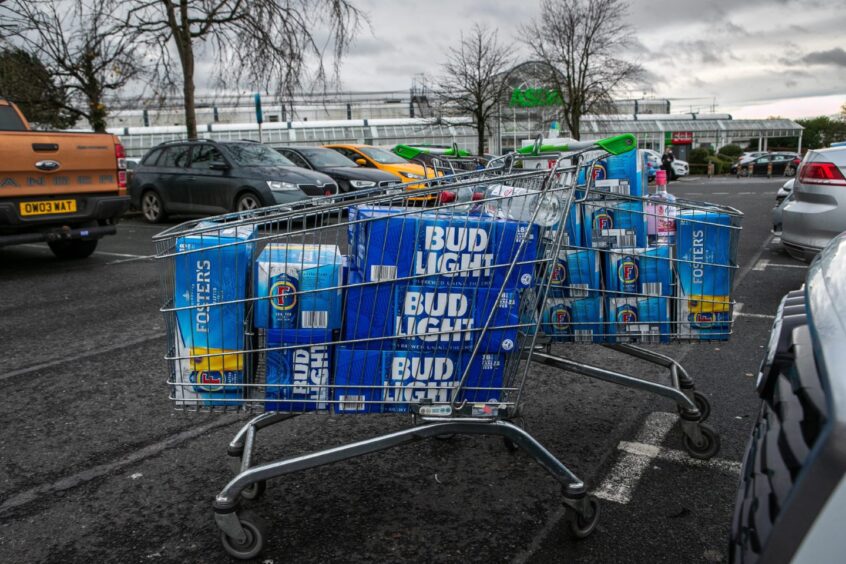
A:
{"points": [[181, 30], [480, 128], [188, 93]]}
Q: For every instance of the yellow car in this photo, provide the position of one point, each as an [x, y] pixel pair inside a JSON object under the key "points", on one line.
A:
{"points": [[382, 159]]}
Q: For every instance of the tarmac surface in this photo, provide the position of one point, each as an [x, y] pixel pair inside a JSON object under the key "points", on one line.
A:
{"points": [[97, 467]]}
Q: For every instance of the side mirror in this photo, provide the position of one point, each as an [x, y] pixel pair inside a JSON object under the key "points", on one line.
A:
{"points": [[218, 165], [361, 162]]}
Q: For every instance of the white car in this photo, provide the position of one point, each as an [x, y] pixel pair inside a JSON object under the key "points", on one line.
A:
{"points": [[681, 168]]}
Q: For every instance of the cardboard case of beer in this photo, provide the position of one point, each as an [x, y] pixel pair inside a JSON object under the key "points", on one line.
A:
{"points": [[444, 248], [575, 273], [298, 287], [368, 312], [610, 224], [299, 367], [639, 271], [206, 377], [638, 319], [214, 269], [704, 274], [577, 320], [631, 168], [369, 381]]}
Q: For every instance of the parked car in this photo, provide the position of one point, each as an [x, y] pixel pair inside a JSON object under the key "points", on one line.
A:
{"points": [[817, 213], [783, 197], [785, 190], [784, 164], [653, 163], [382, 159], [680, 168], [348, 175], [750, 155], [791, 500], [206, 177]]}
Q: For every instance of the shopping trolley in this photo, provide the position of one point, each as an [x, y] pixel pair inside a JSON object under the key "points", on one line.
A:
{"points": [[376, 303]]}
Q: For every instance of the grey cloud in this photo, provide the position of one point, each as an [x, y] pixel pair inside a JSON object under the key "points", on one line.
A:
{"points": [[836, 56], [696, 51], [368, 47], [790, 83]]}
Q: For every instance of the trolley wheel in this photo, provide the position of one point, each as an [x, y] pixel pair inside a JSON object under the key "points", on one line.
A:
{"points": [[509, 444], [254, 490], [703, 404], [709, 446], [253, 541], [582, 525]]}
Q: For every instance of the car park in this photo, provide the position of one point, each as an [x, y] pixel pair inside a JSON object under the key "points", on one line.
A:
{"points": [[382, 159], [204, 177], [783, 197], [680, 168], [817, 213], [783, 164], [348, 175], [791, 500]]}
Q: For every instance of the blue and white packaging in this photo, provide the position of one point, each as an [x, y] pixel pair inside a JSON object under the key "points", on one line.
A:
{"points": [[418, 377], [619, 186], [288, 283], [435, 319], [639, 319], [577, 320], [638, 271], [573, 235], [369, 312], [614, 224], [298, 374], [206, 377], [575, 273], [215, 269], [444, 249], [358, 381], [704, 274], [631, 167]]}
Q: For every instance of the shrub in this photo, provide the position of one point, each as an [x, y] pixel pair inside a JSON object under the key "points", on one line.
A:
{"points": [[699, 156], [731, 150]]}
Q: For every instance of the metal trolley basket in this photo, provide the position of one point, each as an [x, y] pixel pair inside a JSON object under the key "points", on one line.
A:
{"points": [[373, 302]]}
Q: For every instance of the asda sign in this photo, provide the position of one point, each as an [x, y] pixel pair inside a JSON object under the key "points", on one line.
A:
{"points": [[535, 97]]}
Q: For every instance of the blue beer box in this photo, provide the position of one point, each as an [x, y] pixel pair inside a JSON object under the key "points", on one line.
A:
{"points": [[575, 273], [298, 377], [704, 272], [573, 319], [213, 270], [368, 312], [358, 380], [631, 167], [638, 319], [440, 248], [288, 280], [613, 224], [207, 377], [574, 230], [358, 218], [639, 271]]}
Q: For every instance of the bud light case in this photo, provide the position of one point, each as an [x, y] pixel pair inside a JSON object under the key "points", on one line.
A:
{"points": [[440, 249], [575, 274], [613, 224], [704, 270], [369, 312], [288, 280], [215, 269], [422, 377], [298, 374], [639, 319], [577, 320], [639, 271], [358, 381], [434, 319]]}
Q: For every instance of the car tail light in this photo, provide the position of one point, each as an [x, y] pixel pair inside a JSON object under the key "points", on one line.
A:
{"points": [[827, 174], [120, 157]]}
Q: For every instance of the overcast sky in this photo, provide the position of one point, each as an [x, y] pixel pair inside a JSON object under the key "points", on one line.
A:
{"points": [[753, 58]]}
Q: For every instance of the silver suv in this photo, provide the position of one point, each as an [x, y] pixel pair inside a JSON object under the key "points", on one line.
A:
{"points": [[817, 213]]}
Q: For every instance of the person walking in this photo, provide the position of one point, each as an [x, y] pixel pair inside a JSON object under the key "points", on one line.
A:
{"points": [[667, 163]]}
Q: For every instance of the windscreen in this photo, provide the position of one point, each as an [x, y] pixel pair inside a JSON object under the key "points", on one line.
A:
{"points": [[382, 156], [255, 154], [322, 158]]}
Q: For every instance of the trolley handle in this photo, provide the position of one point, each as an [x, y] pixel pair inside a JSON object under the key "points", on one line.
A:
{"points": [[616, 145]]}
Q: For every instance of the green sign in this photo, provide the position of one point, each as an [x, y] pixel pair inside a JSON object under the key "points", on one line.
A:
{"points": [[535, 97]]}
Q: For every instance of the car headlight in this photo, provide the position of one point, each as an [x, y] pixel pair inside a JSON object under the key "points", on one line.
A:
{"points": [[279, 186], [362, 183], [413, 176]]}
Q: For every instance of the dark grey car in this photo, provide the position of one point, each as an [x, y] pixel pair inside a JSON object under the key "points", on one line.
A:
{"points": [[207, 177], [346, 173]]}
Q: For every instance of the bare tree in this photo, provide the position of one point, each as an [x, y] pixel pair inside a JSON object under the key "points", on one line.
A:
{"points": [[472, 77], [264, 44], [79, 44], [580, 42]]}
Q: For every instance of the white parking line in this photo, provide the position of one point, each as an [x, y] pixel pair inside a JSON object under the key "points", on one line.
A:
{"points": [[720, 193], [764, 264], [639, 455], [761, 265], [745, 193], [738, 312]]}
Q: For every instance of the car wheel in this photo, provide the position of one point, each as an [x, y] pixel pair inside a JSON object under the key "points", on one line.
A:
{"points": [[152, 207], [73, 248], [247, 201]]}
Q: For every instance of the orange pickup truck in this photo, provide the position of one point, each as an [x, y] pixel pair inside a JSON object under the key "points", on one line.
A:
{"points": [[65, 189]]}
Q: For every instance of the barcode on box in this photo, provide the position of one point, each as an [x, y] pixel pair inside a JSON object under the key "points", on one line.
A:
{"points": [[583, 335], [381, 272], [652, 288], [579, 290], [351, 403], [314, 319]]}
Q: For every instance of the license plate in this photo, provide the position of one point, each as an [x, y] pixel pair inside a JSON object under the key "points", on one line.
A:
{"points": [[48, 207]]}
